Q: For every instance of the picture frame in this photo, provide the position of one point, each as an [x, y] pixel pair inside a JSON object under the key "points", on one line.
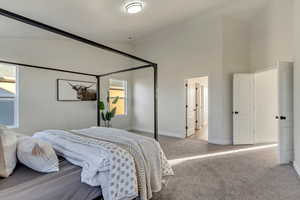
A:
{"points": [[76, 90]]}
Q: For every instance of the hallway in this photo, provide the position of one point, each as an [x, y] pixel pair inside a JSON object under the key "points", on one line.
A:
{"points": [[201, 134]]}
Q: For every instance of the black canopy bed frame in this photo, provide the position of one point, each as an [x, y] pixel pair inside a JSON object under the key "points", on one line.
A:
{"points": [[69, 35]]}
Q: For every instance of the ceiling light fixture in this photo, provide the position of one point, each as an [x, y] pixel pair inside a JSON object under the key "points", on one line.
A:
{"points": [[134, 6]]}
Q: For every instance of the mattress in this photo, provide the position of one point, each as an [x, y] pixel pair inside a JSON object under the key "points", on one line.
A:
{"points": [[27, 184]]}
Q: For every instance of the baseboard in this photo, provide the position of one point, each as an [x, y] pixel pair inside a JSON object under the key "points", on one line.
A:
{"points": [[164, 133], [297, 168], [219, 140], [169, 134], [265, 141]]}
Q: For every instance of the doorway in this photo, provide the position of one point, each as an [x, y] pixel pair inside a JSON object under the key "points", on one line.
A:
{"points": [[197, 108]]}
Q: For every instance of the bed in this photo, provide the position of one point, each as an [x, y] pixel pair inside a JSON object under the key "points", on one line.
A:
{"points": [[124, 164], [95, 163], [27, 184]]}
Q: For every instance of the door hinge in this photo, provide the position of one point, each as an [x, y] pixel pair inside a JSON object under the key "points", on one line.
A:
{"points": [[186, 128], [186, 85], [186, 106]]}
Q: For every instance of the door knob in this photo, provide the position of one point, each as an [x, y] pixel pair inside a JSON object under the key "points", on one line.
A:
{"points": [[282, 118]]}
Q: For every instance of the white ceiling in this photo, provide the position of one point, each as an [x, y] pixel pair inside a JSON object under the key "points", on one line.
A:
{"points": [[104, 20]]}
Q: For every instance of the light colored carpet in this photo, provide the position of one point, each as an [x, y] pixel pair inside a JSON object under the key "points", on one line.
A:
{"points": [[253, 175]]}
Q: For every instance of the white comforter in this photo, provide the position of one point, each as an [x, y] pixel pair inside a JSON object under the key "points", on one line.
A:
{"points": [[125, 165]]}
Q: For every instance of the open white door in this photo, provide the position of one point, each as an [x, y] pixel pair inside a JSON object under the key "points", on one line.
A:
{"points": [[198, 106], [243, 109], [201, 106], [191, 108], [285, 118]]}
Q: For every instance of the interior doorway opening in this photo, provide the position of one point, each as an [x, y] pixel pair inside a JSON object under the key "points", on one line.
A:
{"points": [[197, 108]]}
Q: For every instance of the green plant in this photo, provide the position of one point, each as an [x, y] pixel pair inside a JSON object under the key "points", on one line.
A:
{"points": [[106, 114]]}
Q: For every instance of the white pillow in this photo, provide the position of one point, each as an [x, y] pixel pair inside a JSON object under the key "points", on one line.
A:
{"points": [[37, 155], [8, 147]]}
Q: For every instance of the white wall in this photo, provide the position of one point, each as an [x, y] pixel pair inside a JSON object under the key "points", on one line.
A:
{"points": [[235, 60], [143, 100], [271, 35], [183, 51], [188, 50], [297, 84], [64, 53], [266, 106], [38, 106]]}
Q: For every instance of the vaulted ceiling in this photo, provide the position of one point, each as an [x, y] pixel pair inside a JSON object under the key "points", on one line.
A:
{"points": [[105, 20]]}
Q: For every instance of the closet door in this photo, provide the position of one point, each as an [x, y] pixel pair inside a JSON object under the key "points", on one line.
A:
{"points": [[243, 109], [285, 118]]}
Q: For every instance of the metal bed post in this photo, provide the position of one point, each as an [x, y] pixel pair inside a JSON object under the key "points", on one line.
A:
{"points": [[98, 102], [155, 103]]}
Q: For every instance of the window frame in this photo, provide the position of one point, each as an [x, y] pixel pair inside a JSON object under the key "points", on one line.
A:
{"points": [[15, 99], [125, 96]]}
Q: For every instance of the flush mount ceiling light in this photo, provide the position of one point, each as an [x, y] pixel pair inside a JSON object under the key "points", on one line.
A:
{"points": [[134, 6]]}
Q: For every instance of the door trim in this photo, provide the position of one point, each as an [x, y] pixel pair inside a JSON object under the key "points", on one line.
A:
{"points": [[186, 102]]}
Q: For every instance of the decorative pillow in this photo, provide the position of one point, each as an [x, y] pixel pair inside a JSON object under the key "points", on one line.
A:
{"points": [[8, 147], [37, 155]]}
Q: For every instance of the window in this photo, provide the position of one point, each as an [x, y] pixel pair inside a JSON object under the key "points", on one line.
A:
{"points": [[118, 88], [8, 95]]}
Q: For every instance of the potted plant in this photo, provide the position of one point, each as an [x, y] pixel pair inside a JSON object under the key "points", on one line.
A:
{"points": [[108, 114]]}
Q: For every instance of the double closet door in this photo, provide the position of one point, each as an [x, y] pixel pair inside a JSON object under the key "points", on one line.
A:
{"points": [[244, 110]]}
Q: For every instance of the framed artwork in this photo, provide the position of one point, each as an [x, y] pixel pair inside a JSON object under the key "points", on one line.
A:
{"points": [[74, 90]]}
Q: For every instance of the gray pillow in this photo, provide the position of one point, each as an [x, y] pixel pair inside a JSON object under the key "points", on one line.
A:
{"points": [[37, 155]]}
